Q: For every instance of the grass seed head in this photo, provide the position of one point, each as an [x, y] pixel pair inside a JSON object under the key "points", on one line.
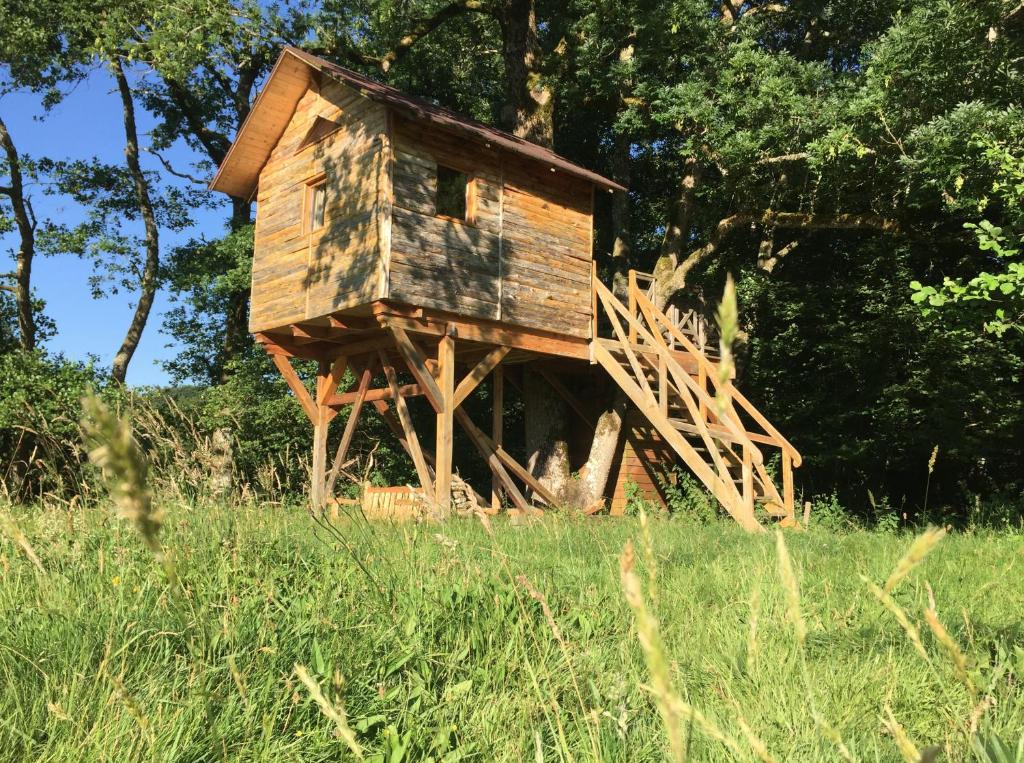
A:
{"points": [[908, 750], [113, 448], [916, 554], [332, 711], [952, 650]]}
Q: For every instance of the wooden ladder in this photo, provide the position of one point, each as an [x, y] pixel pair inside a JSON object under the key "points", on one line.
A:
{"points": [[713, 428]]}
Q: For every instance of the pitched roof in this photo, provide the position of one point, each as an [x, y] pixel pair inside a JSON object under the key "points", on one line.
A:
{"points": [[291, 76]]}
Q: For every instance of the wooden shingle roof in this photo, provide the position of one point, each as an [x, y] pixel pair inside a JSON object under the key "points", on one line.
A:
{"points": [[289, 80]]}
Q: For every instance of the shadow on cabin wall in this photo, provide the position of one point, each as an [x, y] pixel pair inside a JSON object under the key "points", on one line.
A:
{"points": [[434, 262]]}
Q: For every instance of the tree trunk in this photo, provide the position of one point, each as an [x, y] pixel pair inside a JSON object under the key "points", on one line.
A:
{"points": [[236, 318], [547, 434], [26, 249], [594, 476], [151, 268], [677, 232], [528, 110]]}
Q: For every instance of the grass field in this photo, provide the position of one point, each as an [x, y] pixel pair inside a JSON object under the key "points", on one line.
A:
{"points": [[447, 642]]}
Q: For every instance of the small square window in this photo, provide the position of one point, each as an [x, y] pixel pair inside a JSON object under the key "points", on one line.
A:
{"points": [[317, 205], [451, 192]]}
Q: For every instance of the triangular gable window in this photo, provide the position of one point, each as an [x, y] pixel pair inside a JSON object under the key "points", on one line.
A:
{"points": [[320, 129]]}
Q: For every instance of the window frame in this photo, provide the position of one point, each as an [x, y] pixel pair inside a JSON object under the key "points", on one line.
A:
{"points": [[308, 210], [470, 200]]}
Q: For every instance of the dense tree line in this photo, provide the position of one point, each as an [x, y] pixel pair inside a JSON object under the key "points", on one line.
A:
{"points": [[858, 167]]}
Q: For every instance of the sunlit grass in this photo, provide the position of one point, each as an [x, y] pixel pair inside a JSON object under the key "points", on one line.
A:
{"points": [[448, 653]]}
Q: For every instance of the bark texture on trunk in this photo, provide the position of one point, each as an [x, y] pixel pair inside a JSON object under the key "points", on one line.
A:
{"points": [[528, 110], [677, 231], [151, 269], [23, 218], [547, 434], [236, 317], [594, 476]]}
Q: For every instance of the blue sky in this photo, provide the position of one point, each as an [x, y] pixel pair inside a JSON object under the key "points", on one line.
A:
{"points": [[89, 123]]}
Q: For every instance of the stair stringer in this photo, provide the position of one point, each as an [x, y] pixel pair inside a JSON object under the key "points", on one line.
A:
{"points": [[725, 492]]}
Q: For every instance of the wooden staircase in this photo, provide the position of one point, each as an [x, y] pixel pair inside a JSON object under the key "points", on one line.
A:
{"points": [[659, 361]]}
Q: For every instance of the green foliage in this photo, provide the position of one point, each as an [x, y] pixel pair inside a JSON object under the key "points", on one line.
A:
{"points": [[40, 405], [688, 499], [1001, 291]]}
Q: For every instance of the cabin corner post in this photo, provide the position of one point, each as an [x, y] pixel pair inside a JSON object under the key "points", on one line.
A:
{"points": [[445, 421]]}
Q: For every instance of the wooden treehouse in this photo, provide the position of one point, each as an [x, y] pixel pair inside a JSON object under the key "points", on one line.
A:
{"points": [[393, 235]]}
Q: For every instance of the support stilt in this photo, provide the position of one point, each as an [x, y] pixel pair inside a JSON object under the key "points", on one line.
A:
{"points": [[445, 423], [497, 427], [321, 421]]}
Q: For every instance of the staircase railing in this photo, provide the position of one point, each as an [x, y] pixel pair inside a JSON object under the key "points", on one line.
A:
{"points": [[657, 344], [651, 355], [640, 301]]}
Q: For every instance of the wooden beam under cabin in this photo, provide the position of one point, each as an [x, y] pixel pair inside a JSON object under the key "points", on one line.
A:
{"points": [[377, 393], [491, 457], [350, 429], [413, 443], [497, 427], [571, 399], [295, 384]]}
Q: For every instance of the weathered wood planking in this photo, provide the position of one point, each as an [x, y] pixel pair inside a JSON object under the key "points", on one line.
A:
{"points": [[299, 273], [522, 256], [533, 271], [644, 458]]}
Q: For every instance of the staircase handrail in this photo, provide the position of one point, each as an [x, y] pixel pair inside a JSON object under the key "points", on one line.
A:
{"points": [[739, 434], [650, 311]]}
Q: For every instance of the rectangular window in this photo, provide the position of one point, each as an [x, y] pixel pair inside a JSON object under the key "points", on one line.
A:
{"points": [[452, 190], [317, 204]]}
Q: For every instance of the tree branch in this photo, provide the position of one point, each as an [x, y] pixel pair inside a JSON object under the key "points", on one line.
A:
{"points": [[25, 220], [419, 29], [769, 218], [215, 144], [172, 171]]}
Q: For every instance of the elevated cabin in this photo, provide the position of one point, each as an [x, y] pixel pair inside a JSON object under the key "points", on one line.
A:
{"points": [[365, 194], [393, 235]]}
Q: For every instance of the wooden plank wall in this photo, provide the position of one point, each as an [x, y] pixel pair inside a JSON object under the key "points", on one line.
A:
{"points": [[524, 260], [440, 263], [301, 274], [643, 455], [546, 251]]}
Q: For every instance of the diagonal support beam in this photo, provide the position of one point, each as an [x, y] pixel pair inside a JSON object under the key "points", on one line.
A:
{"points": [[417, 363], [571, 399], [413, 443], [350, 430], [472, 380], [479, 439], [296, 386]]}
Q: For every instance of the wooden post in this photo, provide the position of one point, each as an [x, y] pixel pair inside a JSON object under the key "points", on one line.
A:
{"points": [[632, 305], [323, 418], [748, 482], [787, 483], [497, 428], [445, 422]]}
